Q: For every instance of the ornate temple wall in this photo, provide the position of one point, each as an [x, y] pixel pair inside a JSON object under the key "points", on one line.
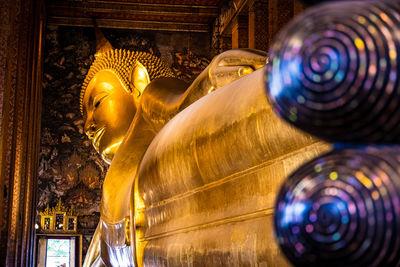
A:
{"points": [[21, 24], [69, 167]]}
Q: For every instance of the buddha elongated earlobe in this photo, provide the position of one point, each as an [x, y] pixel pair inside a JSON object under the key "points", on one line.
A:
{"points": [[140, 78]]}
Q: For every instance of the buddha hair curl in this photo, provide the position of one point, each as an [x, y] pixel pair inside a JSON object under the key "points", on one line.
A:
{"points": [[122, 62]]}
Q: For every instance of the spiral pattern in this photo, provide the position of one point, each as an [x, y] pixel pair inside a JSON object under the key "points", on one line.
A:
{"points": [[335, 72], [342, 209]]}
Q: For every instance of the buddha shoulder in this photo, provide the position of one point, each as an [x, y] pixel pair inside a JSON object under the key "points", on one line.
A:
{"points": [[161, 100]]}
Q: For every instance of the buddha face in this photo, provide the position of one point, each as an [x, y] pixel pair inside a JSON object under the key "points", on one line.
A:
{"points": [[108, 110]]}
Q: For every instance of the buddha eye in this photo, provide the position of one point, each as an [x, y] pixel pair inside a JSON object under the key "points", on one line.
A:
{"points": [[97, 101]]}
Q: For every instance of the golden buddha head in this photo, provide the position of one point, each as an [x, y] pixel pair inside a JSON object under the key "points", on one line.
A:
{"points": [[111, 92]]}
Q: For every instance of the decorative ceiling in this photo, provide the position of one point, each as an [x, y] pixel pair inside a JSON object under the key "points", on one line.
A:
{"points": [[164, 15]]}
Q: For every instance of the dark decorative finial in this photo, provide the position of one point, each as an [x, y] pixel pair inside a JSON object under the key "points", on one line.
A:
{"points": [[102, 44]]}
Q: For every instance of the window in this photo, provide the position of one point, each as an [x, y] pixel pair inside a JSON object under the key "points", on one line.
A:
{"points": [[59, 250]]}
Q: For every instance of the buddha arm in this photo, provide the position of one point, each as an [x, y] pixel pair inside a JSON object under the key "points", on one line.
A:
{"points": [[165, 97], [223, 69], [120, 176]]}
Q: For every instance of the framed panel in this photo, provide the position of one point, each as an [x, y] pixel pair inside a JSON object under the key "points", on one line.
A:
{"points": [[47, 223], [70, 223], [59, 221]]}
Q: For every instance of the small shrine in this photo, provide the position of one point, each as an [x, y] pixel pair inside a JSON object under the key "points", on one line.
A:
{"points": [[58, 219]]}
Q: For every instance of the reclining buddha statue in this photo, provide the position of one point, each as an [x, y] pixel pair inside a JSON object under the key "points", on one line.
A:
{"points": [[193, 168]]}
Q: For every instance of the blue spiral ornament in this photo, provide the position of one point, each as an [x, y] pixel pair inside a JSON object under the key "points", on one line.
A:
{"points": [[342, 209], [335, 72]]}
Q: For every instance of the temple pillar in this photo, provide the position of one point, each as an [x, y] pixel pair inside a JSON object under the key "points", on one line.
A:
{"points": [[252, 30], [258, 24], [280, 12], [21, 24], [240, 32], [226, 43], [298, 7], [259, 20], [266, 18], [285, 13]]}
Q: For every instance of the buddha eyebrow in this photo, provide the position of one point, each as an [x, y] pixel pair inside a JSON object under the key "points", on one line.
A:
{"points": [[90, 100], [93, 95]]}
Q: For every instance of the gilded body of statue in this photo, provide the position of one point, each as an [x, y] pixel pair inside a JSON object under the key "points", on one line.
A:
{"points": [[194, 168], [127, 97]]}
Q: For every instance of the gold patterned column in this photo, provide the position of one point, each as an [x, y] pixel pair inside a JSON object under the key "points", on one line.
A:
{"points": [[258, 24], [21, 26], [280, 12], [226, 43], [240, 32], [285, 12]]}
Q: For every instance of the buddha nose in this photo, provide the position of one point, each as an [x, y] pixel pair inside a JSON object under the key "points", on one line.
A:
{"points": [[90, 128]]}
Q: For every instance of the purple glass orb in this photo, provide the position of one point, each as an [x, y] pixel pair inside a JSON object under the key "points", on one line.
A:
{"points": [[342, 209], [335, 72]]}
